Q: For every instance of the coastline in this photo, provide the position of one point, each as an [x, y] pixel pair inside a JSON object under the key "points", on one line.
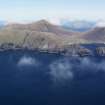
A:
{"points": [[81, 50]]}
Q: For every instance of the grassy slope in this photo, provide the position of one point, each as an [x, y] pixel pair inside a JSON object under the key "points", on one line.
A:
{"points": [[41, 33], [34, 38]]}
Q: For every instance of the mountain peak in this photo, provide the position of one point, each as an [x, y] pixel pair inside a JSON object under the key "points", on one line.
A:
{"points": [[44, 22]]}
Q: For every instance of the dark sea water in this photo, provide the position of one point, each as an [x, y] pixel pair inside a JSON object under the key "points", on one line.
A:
{"points": [[29, 78]]}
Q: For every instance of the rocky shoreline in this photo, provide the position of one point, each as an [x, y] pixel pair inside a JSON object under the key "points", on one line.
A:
{"points": [[42, 36], [81, 50]]}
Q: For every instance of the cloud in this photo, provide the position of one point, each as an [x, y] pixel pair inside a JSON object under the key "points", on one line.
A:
{"points": [[27, 61], [88, 64], [64, 69], [92, 65], [61, 70], [101, 66], [100, 23]]}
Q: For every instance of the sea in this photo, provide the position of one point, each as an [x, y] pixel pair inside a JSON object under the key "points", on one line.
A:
{"points": [[36, 78]]}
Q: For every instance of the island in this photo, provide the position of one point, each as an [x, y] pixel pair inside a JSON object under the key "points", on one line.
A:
{"points": [[45, 37]]}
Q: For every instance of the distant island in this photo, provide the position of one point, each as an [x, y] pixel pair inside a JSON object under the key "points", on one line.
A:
{"points": [[45, 37]]}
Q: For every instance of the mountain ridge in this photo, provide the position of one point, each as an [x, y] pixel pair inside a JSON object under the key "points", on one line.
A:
{"points": [[51, 34]]}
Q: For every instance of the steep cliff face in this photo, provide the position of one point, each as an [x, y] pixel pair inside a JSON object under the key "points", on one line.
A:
{"points": [[44, 36], [30, 39], [100, 51]]}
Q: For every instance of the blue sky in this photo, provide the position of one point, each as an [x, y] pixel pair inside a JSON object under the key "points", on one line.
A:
{"points": [[30, 10]]}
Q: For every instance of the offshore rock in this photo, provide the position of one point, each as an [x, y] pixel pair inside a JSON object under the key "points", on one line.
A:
{"points": [[84, 52], [100, 51]]}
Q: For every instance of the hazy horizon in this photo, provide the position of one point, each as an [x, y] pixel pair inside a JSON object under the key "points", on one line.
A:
{"points": [[31, 10]]}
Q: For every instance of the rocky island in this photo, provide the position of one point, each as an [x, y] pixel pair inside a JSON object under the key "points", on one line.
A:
{"points": [[48, 38]]}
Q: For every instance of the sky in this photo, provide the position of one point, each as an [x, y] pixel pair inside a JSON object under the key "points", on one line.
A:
{"points": [[31, 10]]}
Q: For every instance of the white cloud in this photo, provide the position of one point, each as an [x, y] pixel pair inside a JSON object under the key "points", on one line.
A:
{"points": [[61, 70], [56, 21], [100, 23], [27, 14], [64, 70], [27, 61]]}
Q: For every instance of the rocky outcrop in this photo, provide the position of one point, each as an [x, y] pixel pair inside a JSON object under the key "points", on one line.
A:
{"points": [[100, 51], [66, 50], [71, 50], [76, 50], [9, 46], [45, 37], [84, 52]]}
